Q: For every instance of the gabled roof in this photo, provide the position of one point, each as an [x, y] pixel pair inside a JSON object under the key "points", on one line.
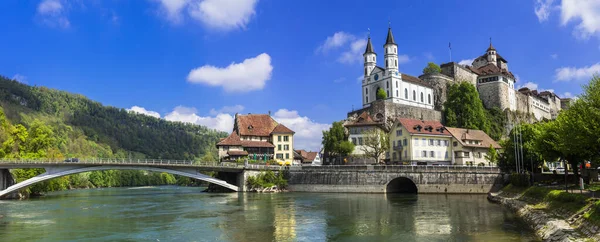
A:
{"points": [[364, 119], [415, 80], [428, 127], [281, 129], [463, 135], [491, 69], [390, 38], [369, 48], [233, 139], [307, 156], [255, 124]]}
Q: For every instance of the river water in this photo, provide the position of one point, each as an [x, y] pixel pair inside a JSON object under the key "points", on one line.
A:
{"points": [[173, 213]]}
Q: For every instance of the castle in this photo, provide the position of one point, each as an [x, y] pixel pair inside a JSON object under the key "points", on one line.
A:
{"points": [[423, 97]]}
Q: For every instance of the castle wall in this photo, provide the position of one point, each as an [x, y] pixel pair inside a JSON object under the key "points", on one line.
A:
{"points": [[494, 94], [391, 110], [459, 73], [440, 84], [522, 102]]}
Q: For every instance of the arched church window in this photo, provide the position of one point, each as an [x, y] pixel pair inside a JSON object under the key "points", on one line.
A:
{"points": [[365, 59], [414, 96], [394, 50], [405, 93], [373, 58], [396, 63], [429, 98], [387, 84], [386, 63], [388, 93], [421, 97], [366, 90], [396, 84], [365, 71], [397, 94]]}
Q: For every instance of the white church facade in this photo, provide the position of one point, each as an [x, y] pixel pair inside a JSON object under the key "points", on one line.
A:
{"points": [[399, 87]]}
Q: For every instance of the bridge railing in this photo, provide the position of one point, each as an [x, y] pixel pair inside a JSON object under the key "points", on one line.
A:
{"points": [[119, 161], [403, 168]]}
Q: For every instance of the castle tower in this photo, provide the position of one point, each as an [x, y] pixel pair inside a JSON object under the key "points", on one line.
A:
{"points": [[491, 54], [370, 58], [391, 54]]}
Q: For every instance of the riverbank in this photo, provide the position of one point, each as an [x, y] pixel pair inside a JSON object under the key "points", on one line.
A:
{"points": [[554, 215]]}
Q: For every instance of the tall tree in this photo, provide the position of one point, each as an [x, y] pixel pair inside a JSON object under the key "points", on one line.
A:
{"points": [[335, 142], [464, 109], [492, 155], [376, 143], [431, 68]]}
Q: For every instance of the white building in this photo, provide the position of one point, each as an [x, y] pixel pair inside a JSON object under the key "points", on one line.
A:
{"points": [[407, 91]]}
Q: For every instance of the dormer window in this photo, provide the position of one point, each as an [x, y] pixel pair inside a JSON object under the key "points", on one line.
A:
{"points": [[250, 127]]}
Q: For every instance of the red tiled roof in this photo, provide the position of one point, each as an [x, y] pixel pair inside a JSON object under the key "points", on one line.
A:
{"points": [[364, 119], [232, 139], [310, 156], [472, 134], [415, 80], [260, 144], [491, 69], [237, 152], [413, 125], [281, 129], [255, 124]]}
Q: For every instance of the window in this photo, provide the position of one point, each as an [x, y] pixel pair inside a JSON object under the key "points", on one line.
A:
{"points": [[396, 61], [446, 156], [366, 90], [414, 96], [478, 155], [430, 142], [373, 58], [387, 84], [396, 84], [445, 143], [394, 144], [354, 141], [279, 138], [432, 154], [280, 156], [466, 154], [397, 95], [287, 155], [394, 50], [286, 147], [424, 153], [439, 142], [421, 97], [424, 142], [429, 98], [386, 63], [405, 153], [394, 155], [367, 99], [455, 143], [398, 132], [416, 142], [405, 93], [388, 93], [404, 142], [360, 140], [365, 59], [278, 147], [286, 138]]}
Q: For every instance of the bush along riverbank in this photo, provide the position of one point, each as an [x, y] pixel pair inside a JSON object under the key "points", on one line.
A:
{"points": [[555, 215], [267, 181]]}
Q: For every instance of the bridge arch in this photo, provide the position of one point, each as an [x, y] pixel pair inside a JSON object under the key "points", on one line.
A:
{"points": [[55, 172], [401, 185]]}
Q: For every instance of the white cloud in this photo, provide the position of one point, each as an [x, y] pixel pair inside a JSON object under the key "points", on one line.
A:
{"points": [[360, 78], [402, 59], [250, 75], [530, 85], [554, 56], [223, 14], [339, 80], [172, 9], [222, 121], [337, 40], [567, 95], [308, 133], [576, 74], [517, 78], [542, 9], [354, 54], [53, 13], [141, 110], [466, 62], [20, 78], [227, 109], [586, 12]]}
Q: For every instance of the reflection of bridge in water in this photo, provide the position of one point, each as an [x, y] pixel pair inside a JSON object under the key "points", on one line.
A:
{"points": [[363, 179]]}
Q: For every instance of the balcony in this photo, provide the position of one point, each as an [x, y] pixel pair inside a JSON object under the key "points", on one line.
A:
{"points": [[398, 147]]}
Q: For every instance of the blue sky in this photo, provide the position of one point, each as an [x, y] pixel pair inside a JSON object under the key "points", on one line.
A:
{"points": [[201, 61]]}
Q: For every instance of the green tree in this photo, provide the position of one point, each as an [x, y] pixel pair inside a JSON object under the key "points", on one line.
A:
{"points": [[381, 94], [431, 68], [492, 155], [335, 142], [376, 143], [464, 109], [529, 133]]}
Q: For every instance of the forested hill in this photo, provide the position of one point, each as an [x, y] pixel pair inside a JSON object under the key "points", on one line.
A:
{"points": [[85, 128]]}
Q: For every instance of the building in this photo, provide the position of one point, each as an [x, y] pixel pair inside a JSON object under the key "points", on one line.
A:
{"points": [[470, 146], [419, 142], [258, 137], [359, 129], [308, 158]]}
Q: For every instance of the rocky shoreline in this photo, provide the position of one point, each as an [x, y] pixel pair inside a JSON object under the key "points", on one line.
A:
{"points": [[549, 227]]}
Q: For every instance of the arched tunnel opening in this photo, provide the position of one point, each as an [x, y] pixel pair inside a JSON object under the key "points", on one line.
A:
{"points": [[401, 185]]}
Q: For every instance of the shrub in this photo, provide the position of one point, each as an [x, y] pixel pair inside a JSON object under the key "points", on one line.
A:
{"points": [[267, 179], [519, 180]]}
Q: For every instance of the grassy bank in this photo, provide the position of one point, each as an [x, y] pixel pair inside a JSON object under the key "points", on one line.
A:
{"points": [[557, 202]]}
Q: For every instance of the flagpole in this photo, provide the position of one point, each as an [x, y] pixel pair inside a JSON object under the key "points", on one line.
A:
{"points": [[450, 50]]}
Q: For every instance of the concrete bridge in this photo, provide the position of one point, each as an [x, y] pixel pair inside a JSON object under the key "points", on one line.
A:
{"points": [[232, 177]]}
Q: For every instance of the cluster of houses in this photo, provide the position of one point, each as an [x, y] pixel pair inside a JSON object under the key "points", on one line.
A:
{"points": [[258, 137]]}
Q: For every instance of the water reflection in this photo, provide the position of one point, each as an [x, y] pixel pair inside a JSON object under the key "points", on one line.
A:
{"points": [[186, 214]]}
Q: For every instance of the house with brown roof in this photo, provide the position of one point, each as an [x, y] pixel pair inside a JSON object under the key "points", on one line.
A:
{"points": [[307, 158], [258, 137], [420, 142], [470, 146], [359, 128]]}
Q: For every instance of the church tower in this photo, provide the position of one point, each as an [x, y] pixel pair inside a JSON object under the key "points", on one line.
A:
{"points": [[491, 54], [370, 58], [391, 53]]}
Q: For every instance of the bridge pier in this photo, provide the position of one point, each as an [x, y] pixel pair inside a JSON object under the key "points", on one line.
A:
{"points": [[6, 180]]}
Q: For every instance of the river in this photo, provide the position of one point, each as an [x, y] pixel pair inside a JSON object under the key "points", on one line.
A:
{"points": [[173, 213]]}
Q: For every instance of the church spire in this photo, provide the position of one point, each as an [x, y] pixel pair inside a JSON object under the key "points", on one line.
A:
{"points": [[491, 47], [369, 46], [390, 37]]}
